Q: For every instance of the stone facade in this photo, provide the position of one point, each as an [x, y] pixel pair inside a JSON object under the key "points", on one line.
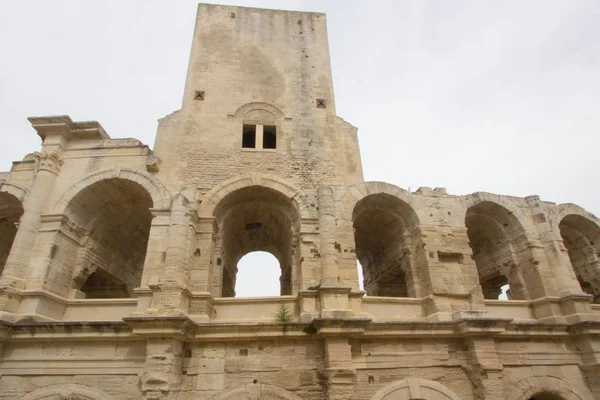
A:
{"points": [[119, 263]]}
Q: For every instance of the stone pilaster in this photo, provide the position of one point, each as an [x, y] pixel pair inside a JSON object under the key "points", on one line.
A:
{"points": [[587, 338], [17, 267], [555, 252], [338, 373], [171, 294], [484, 368], [327, 233], [163, 368]]}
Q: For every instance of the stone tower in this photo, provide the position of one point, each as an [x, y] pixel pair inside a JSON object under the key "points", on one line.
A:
{"points": [[119, 263]]}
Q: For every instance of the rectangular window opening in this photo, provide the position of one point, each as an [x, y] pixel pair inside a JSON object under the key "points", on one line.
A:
{"points": [[269, 137], [249, 136]]}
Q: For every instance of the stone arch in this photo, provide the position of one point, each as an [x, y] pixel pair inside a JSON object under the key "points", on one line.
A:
{"points": [[66, 391], [502, 240], [254, 212], [105, 221], [557, 213], [248, 107], [215, 195], [415, 389], [363, 189], [527, 224], [161, 197], [557, 388], [253, 391], [17, 191], [11, 210], [386, 238], [580, 236]]}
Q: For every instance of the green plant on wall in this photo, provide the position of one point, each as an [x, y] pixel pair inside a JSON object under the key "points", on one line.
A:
{"points": [[283, 314]]}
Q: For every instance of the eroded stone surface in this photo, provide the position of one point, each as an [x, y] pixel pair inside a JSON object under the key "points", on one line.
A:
{"points": [[119, 263]]}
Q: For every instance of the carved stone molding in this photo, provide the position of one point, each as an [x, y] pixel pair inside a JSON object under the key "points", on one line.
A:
{"points": [[49, 161]]}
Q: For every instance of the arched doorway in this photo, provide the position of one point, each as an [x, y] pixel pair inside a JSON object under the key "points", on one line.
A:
{"points": [[415, 389], [546, 396], [543, 388], [258, 275], [66, 391], [111, 219], [581, 237], [499, 244], [250, 219], [385, 247], [253, 391], [11, 211]]}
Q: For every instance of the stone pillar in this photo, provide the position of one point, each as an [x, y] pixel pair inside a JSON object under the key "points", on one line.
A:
{"points": [[338, 372], [485, 370], [327, 232], [17, 264], [447, 274], [157, 247], [163, 368], [555, 253], [16, 271], [574, 305], [201, 273], [177, 258], [172, 292], [155, 258], [586, 336]]}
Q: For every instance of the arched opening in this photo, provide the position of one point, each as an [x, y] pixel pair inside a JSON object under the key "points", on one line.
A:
{"points": [[251, 219], [258, 275], [383, 228], [582, 240], [111, 219], [546, 396], [66, 391], [495, 238], [11, 211]]}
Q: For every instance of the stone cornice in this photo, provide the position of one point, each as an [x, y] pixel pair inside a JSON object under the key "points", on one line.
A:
{"points": [[184, 329], [63, 125]]}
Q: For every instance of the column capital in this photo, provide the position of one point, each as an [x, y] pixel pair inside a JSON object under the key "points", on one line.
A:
{"points": [[50, 161]]}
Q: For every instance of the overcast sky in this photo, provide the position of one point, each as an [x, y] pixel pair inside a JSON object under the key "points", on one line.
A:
{"points": [[497, 96]]}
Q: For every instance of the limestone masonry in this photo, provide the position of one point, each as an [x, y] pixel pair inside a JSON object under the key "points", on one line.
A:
{"points": [[119, 263]]}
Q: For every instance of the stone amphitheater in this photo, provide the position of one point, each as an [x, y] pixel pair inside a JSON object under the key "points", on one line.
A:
{"points": [[119, 262]]}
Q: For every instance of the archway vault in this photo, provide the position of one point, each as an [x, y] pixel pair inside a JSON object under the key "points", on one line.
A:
{"points": [[415, 389], [527, 388], [161, 198], [214, 196], [66, 391], [253, 391]]}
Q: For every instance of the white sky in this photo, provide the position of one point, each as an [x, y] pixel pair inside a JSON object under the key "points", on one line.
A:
{"points": [[499, 96]]}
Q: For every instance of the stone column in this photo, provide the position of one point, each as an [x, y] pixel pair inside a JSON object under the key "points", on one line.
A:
{"points": [[555, 254], [172, 292], [177, 258], [16, 270], [327, 232], [574, 305], [155, 258]]}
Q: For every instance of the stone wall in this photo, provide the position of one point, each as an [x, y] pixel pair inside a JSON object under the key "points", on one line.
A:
{"points": [[119, 263]]}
